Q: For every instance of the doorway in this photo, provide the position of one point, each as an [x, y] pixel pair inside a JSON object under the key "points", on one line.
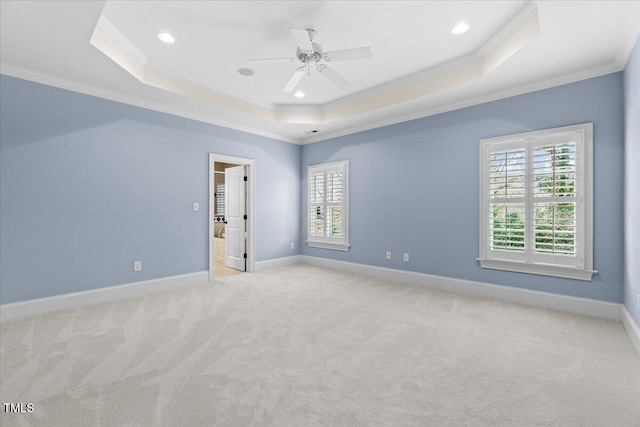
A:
{"points": [[231, 215]]}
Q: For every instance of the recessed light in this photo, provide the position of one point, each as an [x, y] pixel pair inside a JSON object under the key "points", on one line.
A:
{"points": [[460, 28], [166, 37], [299, 94], [247, 72]]}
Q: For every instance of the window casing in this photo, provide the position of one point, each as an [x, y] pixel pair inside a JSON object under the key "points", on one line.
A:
{"points": [[536, 202], [328, 206]]}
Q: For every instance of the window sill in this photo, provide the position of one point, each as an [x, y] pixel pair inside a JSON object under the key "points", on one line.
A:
{"points": [[333, 246], [541, 269]]}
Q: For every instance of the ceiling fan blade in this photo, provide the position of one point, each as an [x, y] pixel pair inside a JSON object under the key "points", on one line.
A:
{"points": [[294, 80], [349, 54], [272, 60], [302, 39], [334, 77]]}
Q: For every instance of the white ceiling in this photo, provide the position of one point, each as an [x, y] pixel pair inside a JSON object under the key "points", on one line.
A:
{"points": [[419, 67], [214, 40]]}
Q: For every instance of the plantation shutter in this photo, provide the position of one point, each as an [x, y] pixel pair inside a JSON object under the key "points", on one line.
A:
{"points": [[316, 204], [327, 204], [507, 199], [221, 199], [554, 189], [533, 208], [558, 226]]}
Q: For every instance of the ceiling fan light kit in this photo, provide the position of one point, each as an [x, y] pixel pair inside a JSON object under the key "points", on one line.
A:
{"points": [[310, 53]]}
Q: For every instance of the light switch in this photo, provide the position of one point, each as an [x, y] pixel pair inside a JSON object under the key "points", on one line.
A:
{"points": [[196, 207]]}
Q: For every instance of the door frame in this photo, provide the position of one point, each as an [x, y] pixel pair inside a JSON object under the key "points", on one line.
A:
{"points": [[251, 198]]}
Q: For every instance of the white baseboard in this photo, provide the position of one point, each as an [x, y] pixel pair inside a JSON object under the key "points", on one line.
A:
{"points": [[632, 329], [583, 306], [21, 309], [278, 262]]}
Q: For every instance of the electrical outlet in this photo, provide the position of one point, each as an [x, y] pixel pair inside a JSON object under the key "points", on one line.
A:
{"points": [[405, 257], [292, 245], [388, 254], [137, 265]]}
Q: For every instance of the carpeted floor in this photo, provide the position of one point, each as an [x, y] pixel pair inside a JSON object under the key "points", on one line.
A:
{"points": [[304, 346]]}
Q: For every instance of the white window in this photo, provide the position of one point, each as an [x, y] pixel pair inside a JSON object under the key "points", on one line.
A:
{"points": [[536, 202], [327, 206]]}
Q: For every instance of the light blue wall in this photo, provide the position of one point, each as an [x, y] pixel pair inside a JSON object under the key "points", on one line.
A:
{"points": [[632, 183], [414, 186], [87, 186]]}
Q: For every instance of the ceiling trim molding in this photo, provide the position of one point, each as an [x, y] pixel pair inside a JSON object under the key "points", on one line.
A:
{"points": [[306, 123], [528, 12], [74, 86], [303, 114], [151, 64], [112, 43], [50, 80], [169, 70], [633, 31], [521, 90], [118, 37], [476, 67], [112, 48], [522, 29]]}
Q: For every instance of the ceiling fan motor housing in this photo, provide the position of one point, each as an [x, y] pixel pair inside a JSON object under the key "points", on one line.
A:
{"points": [[315, 56]]}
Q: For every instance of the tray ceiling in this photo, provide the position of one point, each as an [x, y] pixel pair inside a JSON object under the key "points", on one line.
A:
{"points": [[419, 67]]}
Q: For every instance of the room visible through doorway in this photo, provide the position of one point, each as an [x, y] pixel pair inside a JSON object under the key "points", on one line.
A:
{"points": [[230, 203]]}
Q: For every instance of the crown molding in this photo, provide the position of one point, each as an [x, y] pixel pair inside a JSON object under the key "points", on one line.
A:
{"points": [[521, 90], [514, 35], [74, 86], [528, 12], [177, 73], [151, 64], [113, 31], [472, 71], [633, 35], [523, 28], [50, 80]]}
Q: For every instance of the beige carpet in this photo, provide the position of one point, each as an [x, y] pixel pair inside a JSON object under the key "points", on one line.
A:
{"points": [[304, 346]]}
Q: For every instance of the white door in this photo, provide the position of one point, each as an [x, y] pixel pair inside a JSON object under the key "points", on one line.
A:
{"points": [[235, 209]]}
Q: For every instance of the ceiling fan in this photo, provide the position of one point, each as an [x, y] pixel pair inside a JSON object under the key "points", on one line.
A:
{"points": [[310, 53]]}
